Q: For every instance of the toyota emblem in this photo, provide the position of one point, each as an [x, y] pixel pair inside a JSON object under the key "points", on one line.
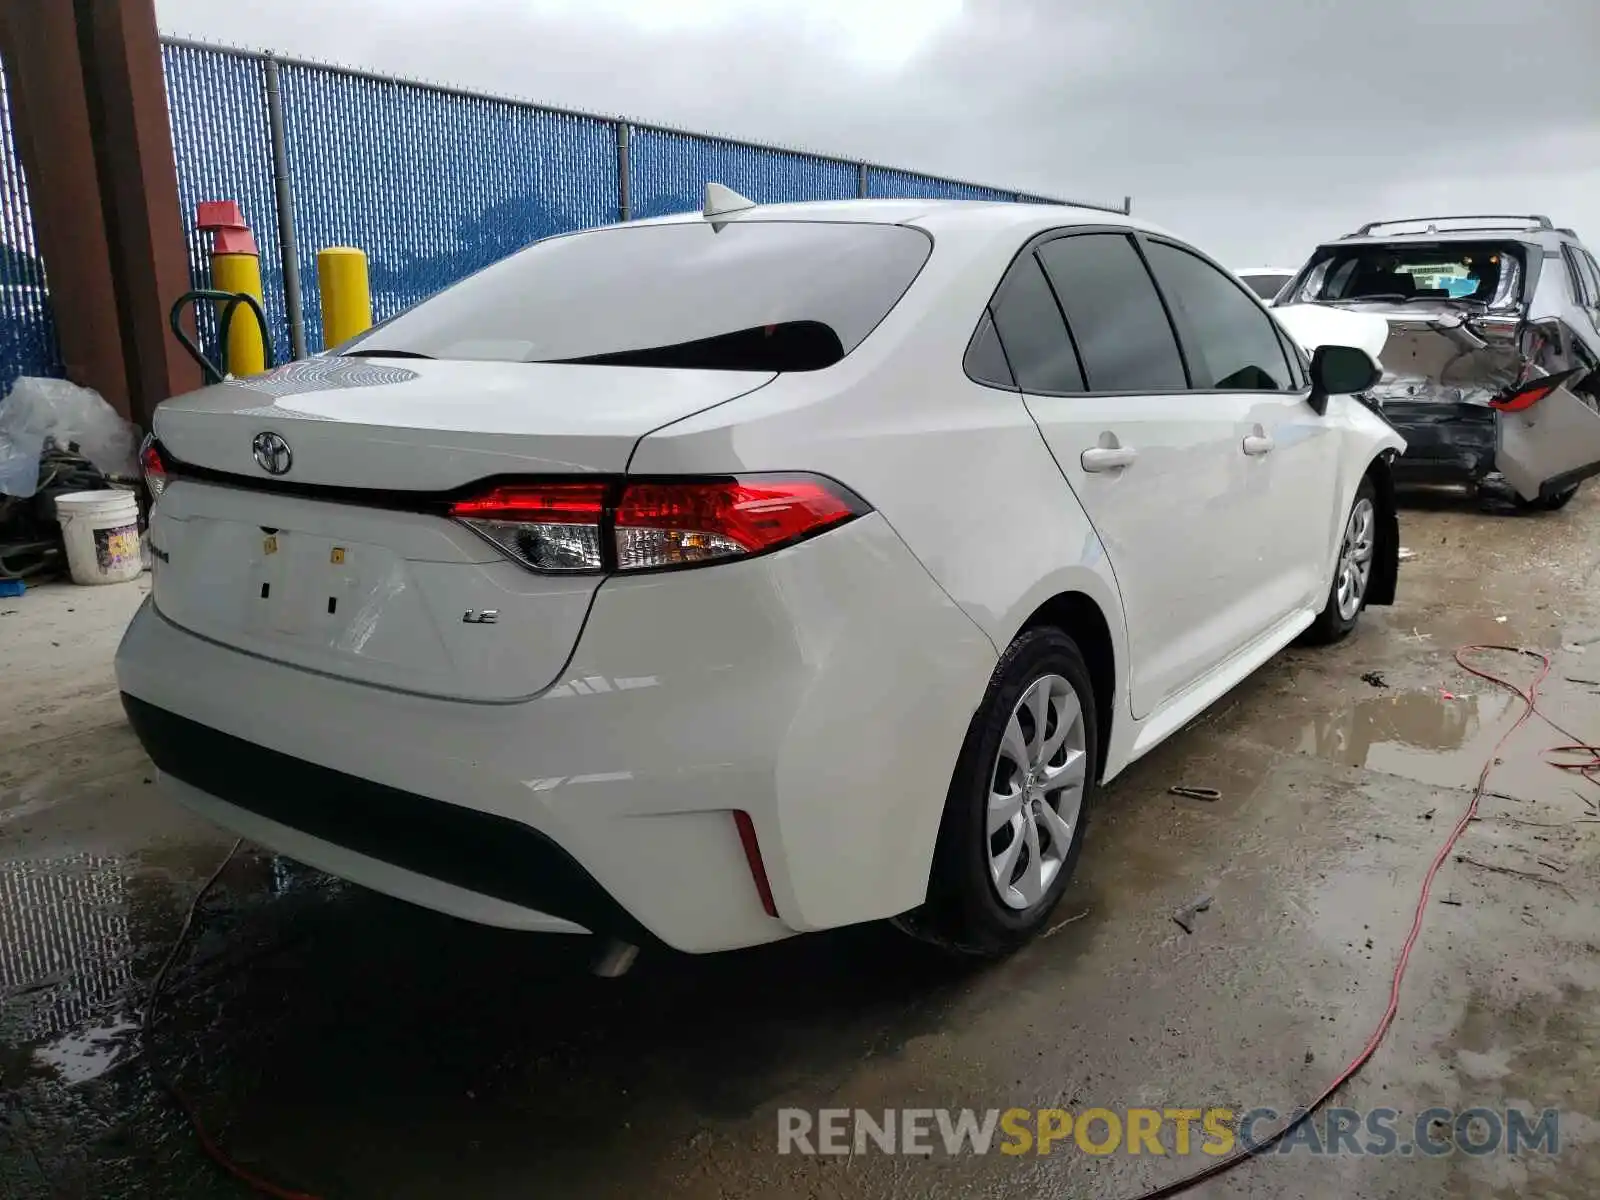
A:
{"points": [[272, 453]]}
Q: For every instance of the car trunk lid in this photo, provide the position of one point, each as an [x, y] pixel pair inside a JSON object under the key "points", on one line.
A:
{"points": [[347, 563]]}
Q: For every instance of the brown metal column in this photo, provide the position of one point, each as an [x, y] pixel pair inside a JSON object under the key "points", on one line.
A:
{"points": [[139, 186], [89, 100], [39, 40]]}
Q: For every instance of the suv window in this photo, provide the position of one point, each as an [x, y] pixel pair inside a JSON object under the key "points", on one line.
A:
{"points": [[1230, 343], [1124, 338], [1033, 333], [1589, 294], [751, 296]]}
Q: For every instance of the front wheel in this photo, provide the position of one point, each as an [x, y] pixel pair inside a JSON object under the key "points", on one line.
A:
{"points": [[1015, 813], [1352, 574]]}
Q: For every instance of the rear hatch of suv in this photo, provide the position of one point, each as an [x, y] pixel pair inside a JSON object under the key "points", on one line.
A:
{"points": [[1476, 386]]}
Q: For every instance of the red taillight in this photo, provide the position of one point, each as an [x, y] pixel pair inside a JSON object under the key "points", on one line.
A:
{"points": [[653, 524], [676, 523], [154, 465], [1520, 399]]}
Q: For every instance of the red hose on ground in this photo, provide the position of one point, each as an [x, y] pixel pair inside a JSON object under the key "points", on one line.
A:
{"points": [[1587, 769]]}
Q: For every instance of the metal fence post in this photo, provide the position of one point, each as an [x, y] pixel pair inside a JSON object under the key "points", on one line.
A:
{"points": [[624, 171], [862, 181], [1127, 206], [283, 191]]}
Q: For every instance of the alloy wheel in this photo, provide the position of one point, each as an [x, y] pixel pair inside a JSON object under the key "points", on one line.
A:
{"points": [[1036, 791]]}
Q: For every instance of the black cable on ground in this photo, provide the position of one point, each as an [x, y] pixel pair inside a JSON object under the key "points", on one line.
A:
{"points": [[169, 1085]]}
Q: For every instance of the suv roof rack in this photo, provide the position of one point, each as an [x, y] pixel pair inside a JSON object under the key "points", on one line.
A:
{"points": [[1530, 221]]}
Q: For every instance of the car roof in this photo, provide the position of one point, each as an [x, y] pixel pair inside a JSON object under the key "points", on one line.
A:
{"points": [[935, 216], [1266, 270]]}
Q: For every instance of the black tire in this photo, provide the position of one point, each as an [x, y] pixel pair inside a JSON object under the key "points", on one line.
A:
{"points": [[964, 913], [1331, 626], [1553, 503]]}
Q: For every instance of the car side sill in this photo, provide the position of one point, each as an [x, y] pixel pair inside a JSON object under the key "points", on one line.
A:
{"points": [[1216, 683]]}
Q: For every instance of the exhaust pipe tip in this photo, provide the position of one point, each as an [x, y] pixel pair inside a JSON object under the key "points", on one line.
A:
{"points": [[616, 959]]}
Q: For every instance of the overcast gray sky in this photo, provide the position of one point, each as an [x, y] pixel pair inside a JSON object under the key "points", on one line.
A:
{"points": [[1254, 127]]}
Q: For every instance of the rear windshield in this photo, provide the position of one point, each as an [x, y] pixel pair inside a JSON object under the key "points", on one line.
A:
{"points": [[1488, 273], [752, 296], [1265, 286]]}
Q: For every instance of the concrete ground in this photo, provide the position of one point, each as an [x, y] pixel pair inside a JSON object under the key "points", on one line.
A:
{"points": [[352, 1046]]}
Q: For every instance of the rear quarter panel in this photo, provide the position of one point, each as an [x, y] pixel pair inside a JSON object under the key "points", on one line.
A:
{"points": [[957, 469]]}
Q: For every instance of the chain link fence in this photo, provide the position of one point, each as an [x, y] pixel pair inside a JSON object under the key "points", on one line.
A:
{"points": [[432, 182]]}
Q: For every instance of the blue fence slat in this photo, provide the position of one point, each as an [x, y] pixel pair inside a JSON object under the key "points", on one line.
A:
{"points": [[27, 331], [216, 100], [888, 184], [668, 173], [432, 185]]}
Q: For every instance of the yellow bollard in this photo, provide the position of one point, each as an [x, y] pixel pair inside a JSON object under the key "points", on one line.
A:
{"points": [[235, 267], [346, 299]]}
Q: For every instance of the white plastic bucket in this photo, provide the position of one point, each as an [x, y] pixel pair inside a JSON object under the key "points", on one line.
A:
{"points": [[101, 530]]}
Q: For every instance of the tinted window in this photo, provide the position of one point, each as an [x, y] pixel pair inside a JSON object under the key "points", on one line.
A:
{"points": [[986, 360], [1265, 286], [1033, 334], [754, 295], [1123, 334], [1230, 342]]}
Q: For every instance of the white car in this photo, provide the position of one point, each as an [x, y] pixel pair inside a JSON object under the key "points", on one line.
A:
{"points": [[721, 577]]}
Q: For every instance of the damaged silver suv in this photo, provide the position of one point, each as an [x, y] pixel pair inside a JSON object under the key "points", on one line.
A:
{"points": [[1489, 371]]}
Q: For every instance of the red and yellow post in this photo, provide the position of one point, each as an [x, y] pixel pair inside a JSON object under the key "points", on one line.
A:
{"points": [[235, 267]]}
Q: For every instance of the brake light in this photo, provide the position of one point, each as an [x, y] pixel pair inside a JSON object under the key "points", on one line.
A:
{"points": [[623, 525], [678, 523], [154, 465], [1520, 399]]}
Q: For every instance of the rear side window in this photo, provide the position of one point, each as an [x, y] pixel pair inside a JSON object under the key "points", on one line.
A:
{"points": [[1231, 344], [752, 295], [1124, 338], [1034, 336], [986, 358], [1585, 276]]}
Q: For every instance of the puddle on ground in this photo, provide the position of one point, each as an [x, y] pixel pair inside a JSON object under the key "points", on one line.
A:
{"points": [[89, 1052], [1420, 735]]}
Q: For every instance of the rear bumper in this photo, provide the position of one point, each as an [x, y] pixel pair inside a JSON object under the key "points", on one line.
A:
{"points": [[824, 690], [463, 848], [1445, 443]]}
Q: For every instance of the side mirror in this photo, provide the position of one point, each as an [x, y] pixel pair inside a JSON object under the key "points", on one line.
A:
{"points": [[1340, 371]]}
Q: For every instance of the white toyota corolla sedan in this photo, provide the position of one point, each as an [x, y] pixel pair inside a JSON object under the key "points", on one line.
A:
{"points": [[711, 579]]}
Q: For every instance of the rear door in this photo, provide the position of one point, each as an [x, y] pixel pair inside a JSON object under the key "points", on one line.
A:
{"points": [[1152, 464], [1289, 453]]}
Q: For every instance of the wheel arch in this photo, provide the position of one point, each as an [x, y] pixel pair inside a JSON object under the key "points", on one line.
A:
{"points": [[1386, 557], [1080, 617]]}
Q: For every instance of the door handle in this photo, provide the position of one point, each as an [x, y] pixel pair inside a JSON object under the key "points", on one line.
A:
{"points": [[1258, 444], [1108, 458]]}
